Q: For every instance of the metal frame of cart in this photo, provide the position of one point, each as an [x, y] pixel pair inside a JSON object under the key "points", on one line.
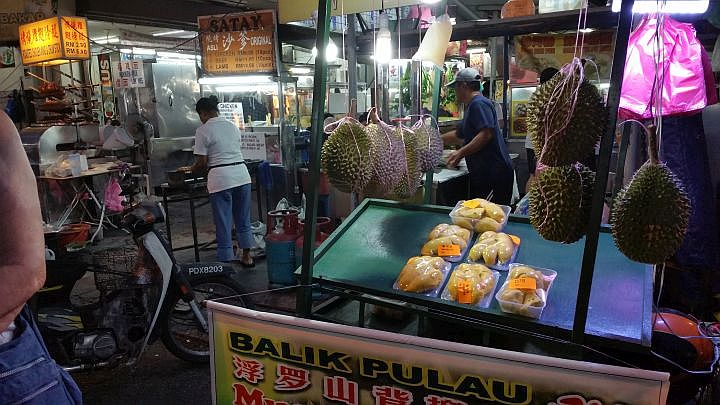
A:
{"points": [[539, 23]]}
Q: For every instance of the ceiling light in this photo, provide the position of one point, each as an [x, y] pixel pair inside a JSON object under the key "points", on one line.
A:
{"points": [[667, 7], [177, 55], [105, 40], [246, 88], [587, 30], [476, 50], [453, 20], [300, 70], [159, 34], [143, 51], [430, 1], [126, 50], [251, 79]]}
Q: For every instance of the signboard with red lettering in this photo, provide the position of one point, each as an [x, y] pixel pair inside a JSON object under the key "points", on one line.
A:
{"points": [[260, 358], [56, 39], [238, 43], [129, 74]]}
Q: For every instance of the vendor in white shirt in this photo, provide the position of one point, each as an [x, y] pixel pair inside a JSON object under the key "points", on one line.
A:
{"points": [[217, 149]]}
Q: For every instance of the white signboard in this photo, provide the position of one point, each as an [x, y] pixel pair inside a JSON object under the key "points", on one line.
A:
{"points": [[253, 146], [260, 358], [232, 112], [130, 73]]}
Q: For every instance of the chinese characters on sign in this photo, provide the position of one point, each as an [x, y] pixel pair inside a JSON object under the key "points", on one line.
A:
{"points": [[40, 41], [75, 38], [56, 38], [269, 359], [238, 43], [130, 73]]}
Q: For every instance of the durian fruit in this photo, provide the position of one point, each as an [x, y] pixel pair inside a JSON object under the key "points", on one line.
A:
{"points": [[650, 215], [430, 144], [565, 126], [345, 156], [560, 202], [388, 159], [410, 180]]}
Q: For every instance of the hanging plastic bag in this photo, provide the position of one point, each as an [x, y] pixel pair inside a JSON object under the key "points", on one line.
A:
{"points": [[113, 199], [117, 139], [680, 69]]}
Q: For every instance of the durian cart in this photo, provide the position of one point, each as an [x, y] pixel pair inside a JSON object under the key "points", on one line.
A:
{"points": [[599, 298]]}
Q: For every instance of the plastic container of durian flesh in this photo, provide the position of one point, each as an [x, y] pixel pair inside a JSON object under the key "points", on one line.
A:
{"points": [[534, 301], [432, 246], [498, 264], [413, 281], [474, 295], [479, 219]]}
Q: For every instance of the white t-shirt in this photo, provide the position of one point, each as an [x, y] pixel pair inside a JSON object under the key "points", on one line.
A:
{"points": [[219, 140]]}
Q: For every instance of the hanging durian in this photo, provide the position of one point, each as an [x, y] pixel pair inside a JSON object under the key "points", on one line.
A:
{"points": [[388, 159], [410, 180], [566, 117], [345, 156], [650, 214], [560, 202], [429, 142]]}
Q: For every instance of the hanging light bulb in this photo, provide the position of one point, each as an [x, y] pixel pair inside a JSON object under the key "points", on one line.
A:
{"points": [[383, 41], [331, 51]]}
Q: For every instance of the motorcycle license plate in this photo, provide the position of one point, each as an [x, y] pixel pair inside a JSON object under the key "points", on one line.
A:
{"points": [[201, 269]]}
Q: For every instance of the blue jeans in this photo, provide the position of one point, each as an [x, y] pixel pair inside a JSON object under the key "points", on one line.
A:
{"points": [[233, 203], [27, 373]]}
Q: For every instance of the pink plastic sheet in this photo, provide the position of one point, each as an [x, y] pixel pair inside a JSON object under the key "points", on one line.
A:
{"points": [[680, 70]]}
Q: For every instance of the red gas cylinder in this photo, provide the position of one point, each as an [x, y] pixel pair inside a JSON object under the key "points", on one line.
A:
{"points": [[282, 225], [323, 229]]}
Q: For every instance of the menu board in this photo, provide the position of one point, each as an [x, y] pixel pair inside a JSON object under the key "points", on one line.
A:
{"points": [[238, 43], [129, 74], [40, 41], [56, 38], [75, 38]]}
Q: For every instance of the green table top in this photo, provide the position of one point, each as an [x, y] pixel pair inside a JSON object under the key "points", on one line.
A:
{"points": [[368, 251]]}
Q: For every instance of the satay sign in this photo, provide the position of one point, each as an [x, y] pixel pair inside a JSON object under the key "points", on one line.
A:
{"points": [[238, 43]]}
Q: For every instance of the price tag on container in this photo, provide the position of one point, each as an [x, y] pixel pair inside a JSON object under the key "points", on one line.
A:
{"points": [[448, 250], [523, 283], [474, 203], [464, 292], [515, 240]]}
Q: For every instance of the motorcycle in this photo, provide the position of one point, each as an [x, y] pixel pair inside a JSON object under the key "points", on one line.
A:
{"points": [[144, 295]]}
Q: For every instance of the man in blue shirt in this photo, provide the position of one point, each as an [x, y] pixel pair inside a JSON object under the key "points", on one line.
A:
{"points": [[481, 142]]}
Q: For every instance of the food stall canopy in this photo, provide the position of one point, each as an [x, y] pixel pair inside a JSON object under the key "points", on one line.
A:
{"points": [[55, 40]]}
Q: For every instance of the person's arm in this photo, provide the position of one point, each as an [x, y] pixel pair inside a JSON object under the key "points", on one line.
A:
{"points": [[478, 143], [22, 245], [200, 165], [201, 151], [451, 138]]}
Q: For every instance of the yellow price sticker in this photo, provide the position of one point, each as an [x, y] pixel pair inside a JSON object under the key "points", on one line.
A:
{"points": [[515, 240], [448, 250], [474, 203], [523, 283], [464, 292]]}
